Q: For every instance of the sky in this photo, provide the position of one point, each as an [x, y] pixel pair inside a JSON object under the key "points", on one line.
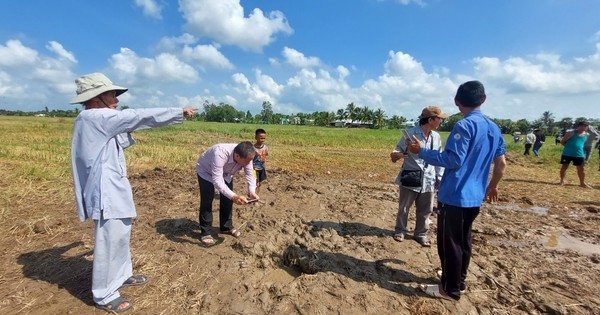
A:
{"points": [[307, 55]]}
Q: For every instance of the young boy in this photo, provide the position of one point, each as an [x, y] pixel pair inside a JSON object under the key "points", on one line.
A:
{"points": [[262, 151]]}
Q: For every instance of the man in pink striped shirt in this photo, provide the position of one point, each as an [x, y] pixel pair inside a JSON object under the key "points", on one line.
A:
{"points": [[215, 170]]}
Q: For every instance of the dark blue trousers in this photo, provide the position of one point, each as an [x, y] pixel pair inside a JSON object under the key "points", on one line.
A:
{"points": [[454, 245]]}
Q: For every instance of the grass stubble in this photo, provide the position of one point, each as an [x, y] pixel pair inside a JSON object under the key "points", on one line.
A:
{"points": [[35, 174]]}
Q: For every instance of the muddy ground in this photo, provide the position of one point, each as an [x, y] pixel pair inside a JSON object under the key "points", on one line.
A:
{"points": [[319, 244]]}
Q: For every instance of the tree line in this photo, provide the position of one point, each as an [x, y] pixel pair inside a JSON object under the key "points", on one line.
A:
{"points": [[377, 119], [350, 116]]}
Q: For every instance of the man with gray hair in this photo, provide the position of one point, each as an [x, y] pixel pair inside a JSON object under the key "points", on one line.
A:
{"points": [[102, 190], [215, 170], [418, 189]]}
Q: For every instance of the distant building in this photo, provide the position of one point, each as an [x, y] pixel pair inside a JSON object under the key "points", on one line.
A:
{"points": [[351, 124], [340, 123], [409, 124]]}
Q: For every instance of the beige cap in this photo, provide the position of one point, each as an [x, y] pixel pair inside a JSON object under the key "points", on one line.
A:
{"points": [[92, 85]]}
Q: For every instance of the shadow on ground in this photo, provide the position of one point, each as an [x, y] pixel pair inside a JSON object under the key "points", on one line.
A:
{"points": [[74, 273]]}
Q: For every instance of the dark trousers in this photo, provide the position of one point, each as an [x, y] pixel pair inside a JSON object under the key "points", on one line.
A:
{"points": [[527, 147], [207, 195], [454, 245], [536, 148]]}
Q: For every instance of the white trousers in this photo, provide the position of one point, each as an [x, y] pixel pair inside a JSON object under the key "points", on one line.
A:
{"points": [[112, 258]]}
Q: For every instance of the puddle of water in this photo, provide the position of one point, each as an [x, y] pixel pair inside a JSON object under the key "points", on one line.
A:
{"points": [[532, 209], [564, 241]]}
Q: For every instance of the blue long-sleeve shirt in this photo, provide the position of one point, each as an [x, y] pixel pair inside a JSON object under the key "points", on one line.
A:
{"points": [[473, 144], [98, 163]]}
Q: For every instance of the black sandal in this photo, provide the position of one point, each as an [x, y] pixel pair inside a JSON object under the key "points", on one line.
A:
{"points": [[113, 306], [135, 281]]}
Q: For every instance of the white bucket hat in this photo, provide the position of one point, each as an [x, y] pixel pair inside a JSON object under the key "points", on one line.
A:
{"points": [[92, 85]]}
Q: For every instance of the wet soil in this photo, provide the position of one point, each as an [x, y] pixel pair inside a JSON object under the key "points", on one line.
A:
{"points": [[315, 245]]}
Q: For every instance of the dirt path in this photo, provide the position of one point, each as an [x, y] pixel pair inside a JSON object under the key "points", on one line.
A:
{"points": [[318, 245]]}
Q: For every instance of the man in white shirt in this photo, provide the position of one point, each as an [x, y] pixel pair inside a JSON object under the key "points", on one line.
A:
{"points": [[102, 190], [529, 140], [421, 192]]}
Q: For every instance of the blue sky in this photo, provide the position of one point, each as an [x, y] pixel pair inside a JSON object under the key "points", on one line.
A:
{"points": [[309, 55]]}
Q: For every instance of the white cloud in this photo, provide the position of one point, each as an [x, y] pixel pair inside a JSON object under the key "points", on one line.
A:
{"points": [[298, 60], [224, 21], [28, 76], [165, 67], [403, 89], [265, 88], [542, 73], [343, 72], [15, 54], [207, 55], [404, 65], [7, 88], [150, 8], [60, 51], [173, 43]]}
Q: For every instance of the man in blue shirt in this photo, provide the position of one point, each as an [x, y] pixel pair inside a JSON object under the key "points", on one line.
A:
{"points": [[474, 144]]}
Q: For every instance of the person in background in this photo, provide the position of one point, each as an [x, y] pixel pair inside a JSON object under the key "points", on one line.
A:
{"points": [[102, 190], [474, 144], [423, 192], [215, 169], [260, 159], [540, 138], [529, 140], [598, 147], [573, 152], [589, 142]]}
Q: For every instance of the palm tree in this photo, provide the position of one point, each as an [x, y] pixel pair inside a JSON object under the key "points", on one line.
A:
{"points": [[352, 112], [365, 114], [341, 114], [379, 118]]}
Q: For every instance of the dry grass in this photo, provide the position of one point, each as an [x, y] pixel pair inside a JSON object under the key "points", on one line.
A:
{"points": [[35, 178]]}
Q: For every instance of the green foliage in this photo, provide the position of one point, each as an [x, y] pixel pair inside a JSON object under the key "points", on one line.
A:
{"points": [[367, 117], [266, 114], [221, 113], [396, 122]]}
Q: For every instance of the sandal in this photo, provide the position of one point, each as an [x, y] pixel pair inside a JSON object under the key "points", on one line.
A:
{"points": [[233, 232], [114, 306], [439, 273], [135, 281], [423, 241], [207, 240], [399, 237], [433, 290]]}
